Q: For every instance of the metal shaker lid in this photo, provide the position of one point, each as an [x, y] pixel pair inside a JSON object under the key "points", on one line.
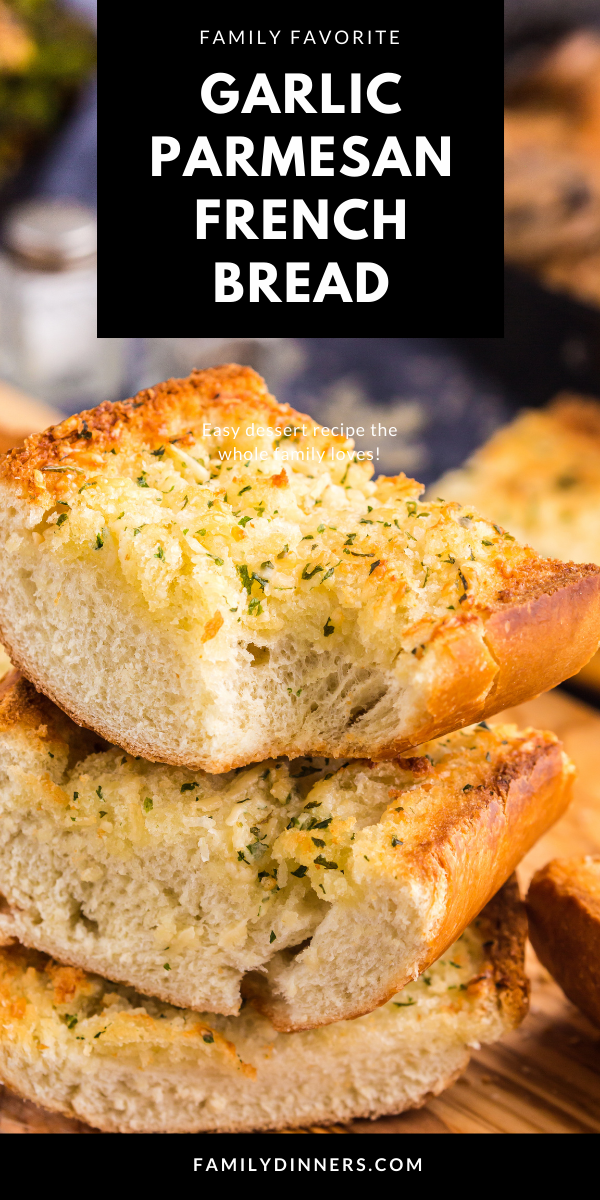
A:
{"points": [[54, 234]]}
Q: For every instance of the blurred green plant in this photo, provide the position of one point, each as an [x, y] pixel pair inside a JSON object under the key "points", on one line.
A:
{"points": [[46, 53]]}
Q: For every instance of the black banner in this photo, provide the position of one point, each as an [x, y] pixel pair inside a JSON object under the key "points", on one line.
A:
{"points": [[313, 175]]}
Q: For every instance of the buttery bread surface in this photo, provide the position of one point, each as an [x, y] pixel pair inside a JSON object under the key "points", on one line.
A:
{"points": [[317, 888], [205, 577], [126, 1063]]}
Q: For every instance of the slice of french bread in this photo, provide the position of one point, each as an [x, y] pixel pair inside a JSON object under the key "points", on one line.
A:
{"points": [[126, 1063], [207, 578], [563, 905], [319, 888]]}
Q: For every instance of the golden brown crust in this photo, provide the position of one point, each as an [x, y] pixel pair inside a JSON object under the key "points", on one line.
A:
{"points": [[21, 704], [567, 612], [503, 923], [481, 672], [529, 793], [474, 850], [173, 409], [563, 906]]}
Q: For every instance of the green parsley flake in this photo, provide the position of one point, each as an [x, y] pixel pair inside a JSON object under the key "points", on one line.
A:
{"points": [[306, 574], [245, 577], [322, 862], [148, 804]]}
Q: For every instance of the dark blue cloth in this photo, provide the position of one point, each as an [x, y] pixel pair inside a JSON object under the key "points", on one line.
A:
{"points": [[441, 407]]}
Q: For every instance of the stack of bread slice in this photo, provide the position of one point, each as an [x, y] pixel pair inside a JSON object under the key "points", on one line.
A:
{"points": [[255, 828]]}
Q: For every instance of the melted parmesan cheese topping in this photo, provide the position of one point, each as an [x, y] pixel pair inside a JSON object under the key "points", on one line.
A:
{"points": [[214, 545]]}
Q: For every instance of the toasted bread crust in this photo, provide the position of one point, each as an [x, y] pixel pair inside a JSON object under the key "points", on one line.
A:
{"points": [[477, 850], [563, 906], [173, 409], [503, 922]]}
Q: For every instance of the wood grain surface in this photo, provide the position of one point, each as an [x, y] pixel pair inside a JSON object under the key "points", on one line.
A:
{"points": [[544, 1077]]}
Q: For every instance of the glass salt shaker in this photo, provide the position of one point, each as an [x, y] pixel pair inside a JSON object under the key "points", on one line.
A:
{"points": [[48, 342]]}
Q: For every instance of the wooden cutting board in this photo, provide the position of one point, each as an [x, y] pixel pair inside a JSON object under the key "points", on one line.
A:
{"points": [[544, 1077]]}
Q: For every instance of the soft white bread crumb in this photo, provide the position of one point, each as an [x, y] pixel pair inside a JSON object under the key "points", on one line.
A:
{"points": [[187, 886], [123, 1062], [211, 610]]}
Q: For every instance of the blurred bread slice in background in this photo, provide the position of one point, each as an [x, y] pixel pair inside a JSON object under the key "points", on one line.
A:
{"points": [[552, 168], [539, 477]]}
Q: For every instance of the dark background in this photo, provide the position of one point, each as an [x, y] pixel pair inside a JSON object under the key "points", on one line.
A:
{"points": [[448, 385], [444, 278]]}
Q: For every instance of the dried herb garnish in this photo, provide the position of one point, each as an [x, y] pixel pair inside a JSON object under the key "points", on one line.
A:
{"points": [[322, 862]]}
